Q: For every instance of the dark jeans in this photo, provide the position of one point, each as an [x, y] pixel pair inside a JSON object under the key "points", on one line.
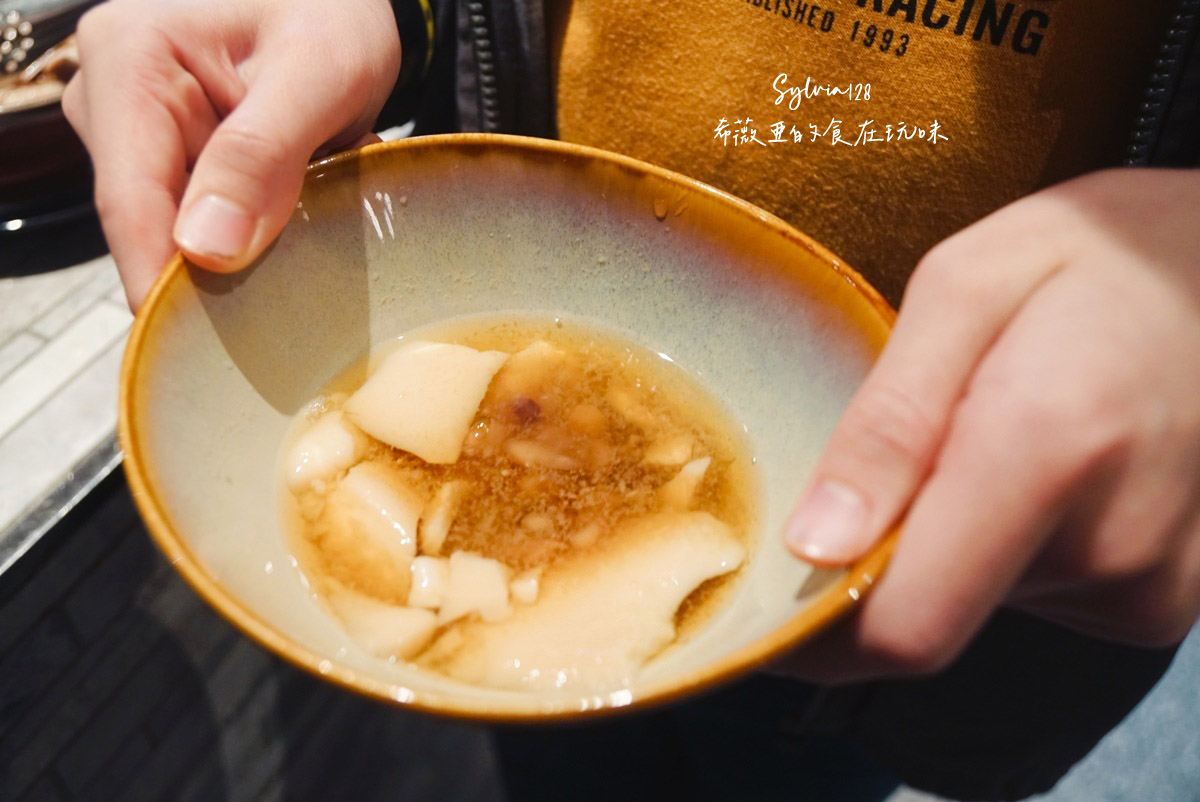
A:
{"points": [[744, 742]]}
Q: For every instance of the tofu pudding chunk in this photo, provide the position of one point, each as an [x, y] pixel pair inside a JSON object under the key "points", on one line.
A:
{"points": [[518, 503]]}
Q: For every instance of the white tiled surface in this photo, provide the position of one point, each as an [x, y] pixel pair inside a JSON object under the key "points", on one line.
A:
{"points": [[41, 376], [61, 338], [19, 347], [25, 299], [66, 311]]}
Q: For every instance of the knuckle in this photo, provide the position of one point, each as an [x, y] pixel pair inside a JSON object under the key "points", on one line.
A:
{"points": [[72, 102], [1019, 411], [361, 81], [940, 265], [104, 200], [1037, 220], [94, 24], [368, 78], [919, 648], [1126, 558], [345, 73], [1124, 563], [104, 22], [1065, 421], [888, 423], [947, 274], [386, 36], [942, 260], [248, 151]]}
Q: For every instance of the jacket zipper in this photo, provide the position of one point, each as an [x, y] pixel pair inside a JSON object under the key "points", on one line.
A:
{"points": [[485, 61], [1157, 94]]}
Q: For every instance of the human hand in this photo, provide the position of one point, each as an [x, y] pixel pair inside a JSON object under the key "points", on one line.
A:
{"points": [[1037, 414], [200, 116]]}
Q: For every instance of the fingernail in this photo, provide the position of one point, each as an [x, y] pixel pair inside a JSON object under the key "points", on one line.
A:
{"points": [[830, 526], [215, 226]]}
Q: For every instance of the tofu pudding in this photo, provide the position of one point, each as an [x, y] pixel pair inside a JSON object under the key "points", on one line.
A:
{"points": [[518, 503]]}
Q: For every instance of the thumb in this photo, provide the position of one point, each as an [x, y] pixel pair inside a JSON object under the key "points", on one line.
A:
{"points": [[247, 178], [961, 297]]}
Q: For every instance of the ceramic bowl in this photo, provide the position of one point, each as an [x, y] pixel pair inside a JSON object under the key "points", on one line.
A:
{"points": [[400, 235]]}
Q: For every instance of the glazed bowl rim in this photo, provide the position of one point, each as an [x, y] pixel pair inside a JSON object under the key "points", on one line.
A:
{"points": [[827, 606]]}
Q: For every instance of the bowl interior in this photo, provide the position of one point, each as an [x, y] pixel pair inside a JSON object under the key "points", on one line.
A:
{"points": [[405, 234]]}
